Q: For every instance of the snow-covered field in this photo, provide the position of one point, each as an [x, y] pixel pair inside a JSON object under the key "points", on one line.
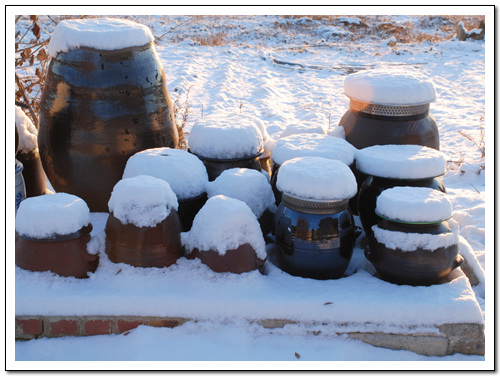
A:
{"points": [[289, 71]]}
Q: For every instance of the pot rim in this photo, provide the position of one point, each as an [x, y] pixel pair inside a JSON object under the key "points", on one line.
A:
{"points": [[410, 222], [255, 155], [60, 238], [401, 179]]}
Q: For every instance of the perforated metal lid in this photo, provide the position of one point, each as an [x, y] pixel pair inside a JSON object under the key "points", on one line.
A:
{"points": [[386, 110]]}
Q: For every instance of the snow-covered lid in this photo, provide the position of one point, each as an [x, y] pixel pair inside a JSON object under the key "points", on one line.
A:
{"points": [[313, 145], [316, 178], [27, 132], [225, 137], [185, 173], [247, 185], [390, 87], [414, 205], [142, 200], [222, 224], [98, 33], [43, 217], [401, 161], [292, 129]]}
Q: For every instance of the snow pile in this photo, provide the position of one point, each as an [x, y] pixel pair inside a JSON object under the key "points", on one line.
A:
{"points": [[316, 178], [98, 33], [401, 161], [247, 185], [414, 204], [183, 171], [225, 137], [292, 129], [313, 145], [28, 133], [143, 201], [390, 87], [222, 224], [408, 242], [42, 217]]}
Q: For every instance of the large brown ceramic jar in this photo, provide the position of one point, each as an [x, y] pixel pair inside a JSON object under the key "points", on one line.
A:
{"points": [[100, 105]]}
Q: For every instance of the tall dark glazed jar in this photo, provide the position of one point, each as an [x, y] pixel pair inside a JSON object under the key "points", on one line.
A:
{"points": [[105, 98]]}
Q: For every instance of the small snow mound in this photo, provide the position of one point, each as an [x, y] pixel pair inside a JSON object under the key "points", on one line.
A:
{"points": [[247, 185], [142, 200], [292, 129], [409, 242], [316, 178], [222, 224], [185, 173], [390, 87], [401, 161], [45, 216], [225, 137], [98, 33], [313, 145], [27, 132], [414, 204]]}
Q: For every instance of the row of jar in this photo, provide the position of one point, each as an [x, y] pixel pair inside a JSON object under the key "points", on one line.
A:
{"points": [[313, 228]]}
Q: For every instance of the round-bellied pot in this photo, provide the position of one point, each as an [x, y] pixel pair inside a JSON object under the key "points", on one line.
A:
{"points": [[98, 108], [20, 186], [418, 266], [158, 246], [239, 260], [188, 208], [215, 167], [65, 255], [314, 239], [33, 173]]}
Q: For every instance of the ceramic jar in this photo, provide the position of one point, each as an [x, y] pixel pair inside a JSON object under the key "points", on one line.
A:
{"points": [[390, 166], [20, 190], [100, 105], [315, 231], [143, 228], [59, 243], [414, 250]]}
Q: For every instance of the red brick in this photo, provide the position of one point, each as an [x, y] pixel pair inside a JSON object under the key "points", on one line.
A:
{"points": [[93, 327], [124, 325], [163, 323], [31, 326], [64, 327]]}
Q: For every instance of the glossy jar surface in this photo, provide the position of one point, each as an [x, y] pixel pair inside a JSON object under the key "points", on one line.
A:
{"points": [[416, 267], [98, 108], [157, 246], [363, 129], [215, 167], [188, 208], [33, 173], [373, 186], [65, 255], [313, 240]]}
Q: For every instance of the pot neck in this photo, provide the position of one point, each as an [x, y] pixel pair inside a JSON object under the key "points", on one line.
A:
{"points": [[310, 206]]}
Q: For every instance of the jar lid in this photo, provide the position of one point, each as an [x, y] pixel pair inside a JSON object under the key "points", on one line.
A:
{"points": [[225, 138], [99, 33], [414, 205], [224, 223], [316, 178], [142, 200], [185, 173], [49, 215], [390, 87], [401, 161], [247, 185], [313, 145]]}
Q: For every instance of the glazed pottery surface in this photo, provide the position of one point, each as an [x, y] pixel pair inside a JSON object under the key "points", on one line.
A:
{"points": [[64, 255], [363, 129], [33, 173], [20, 186], [373, 186], [418, 267], [98, 108], [157, 246], [314, 242], [188, 208], [240, 260], [215, 167]]}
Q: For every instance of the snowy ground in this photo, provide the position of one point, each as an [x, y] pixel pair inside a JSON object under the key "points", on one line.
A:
{"points": [[291, 71]]}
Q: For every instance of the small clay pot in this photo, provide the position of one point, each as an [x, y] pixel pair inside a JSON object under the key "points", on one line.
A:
{"points": [[419, 267], [33, 173], [157, 246], [188, 208], [240, 260], [65, 255]]}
